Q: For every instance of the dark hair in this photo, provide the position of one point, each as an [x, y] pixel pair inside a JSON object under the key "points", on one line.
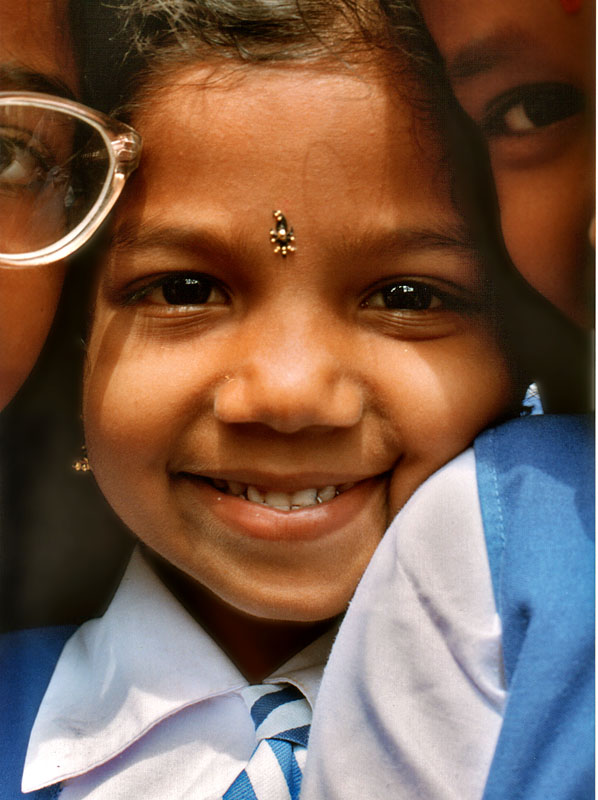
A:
{"points": [[121, 42]]}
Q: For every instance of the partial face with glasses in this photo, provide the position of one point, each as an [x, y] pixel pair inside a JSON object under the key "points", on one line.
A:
{"points": [[35, 54], [62, 167]]}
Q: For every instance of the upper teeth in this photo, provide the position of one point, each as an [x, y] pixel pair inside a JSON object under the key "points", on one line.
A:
{"points": [[284, 501]]}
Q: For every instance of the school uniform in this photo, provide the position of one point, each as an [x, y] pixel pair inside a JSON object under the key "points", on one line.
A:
{"points": [[142, 702], [373, 735], [464, 667]]}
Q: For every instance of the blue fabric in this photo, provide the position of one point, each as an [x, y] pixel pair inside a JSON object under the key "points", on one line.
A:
{"points": [[536, 486], [241, 789], [298, 735], [268, 702], [288, 764], [27, 661], [281, 743]]}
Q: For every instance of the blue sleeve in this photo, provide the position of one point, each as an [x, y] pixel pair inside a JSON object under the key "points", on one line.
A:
{"points": [[536, 486], [27, 661]]}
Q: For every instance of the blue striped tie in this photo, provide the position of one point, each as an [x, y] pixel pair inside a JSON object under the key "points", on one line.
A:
{"points": [[282, 717]]}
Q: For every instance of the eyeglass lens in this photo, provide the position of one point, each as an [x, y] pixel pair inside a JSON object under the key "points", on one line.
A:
{"points": [[53, 168]]}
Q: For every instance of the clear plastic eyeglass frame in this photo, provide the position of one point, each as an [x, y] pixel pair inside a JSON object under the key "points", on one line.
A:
{"points": [[123, 146]]}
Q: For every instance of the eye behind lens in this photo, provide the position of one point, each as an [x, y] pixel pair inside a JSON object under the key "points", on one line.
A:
{"points": [[54, 168]]}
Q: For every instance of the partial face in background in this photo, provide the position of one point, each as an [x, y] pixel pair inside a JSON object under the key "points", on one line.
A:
{"points": [[35, 55], [524, 72], [244, 412]]}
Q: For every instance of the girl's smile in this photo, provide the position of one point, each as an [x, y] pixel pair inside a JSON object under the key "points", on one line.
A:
{"points": [[257, 420], [283, 514]]}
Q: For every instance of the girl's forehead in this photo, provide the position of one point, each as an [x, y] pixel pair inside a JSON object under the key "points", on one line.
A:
{"points": [[342, 154], [221, 105], [289, 86]]}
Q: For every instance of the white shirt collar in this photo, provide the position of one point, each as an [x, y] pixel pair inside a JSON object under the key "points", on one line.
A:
{"points": [[115, 679]]}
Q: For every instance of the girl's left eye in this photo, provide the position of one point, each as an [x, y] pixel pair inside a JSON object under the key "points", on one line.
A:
{"points": [[532, 107], [404, 296], [180, 290]]}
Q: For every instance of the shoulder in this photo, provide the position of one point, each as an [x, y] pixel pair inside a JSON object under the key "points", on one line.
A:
{"points": [[27, 661], [537, 439], [536, 489], [27, 657]]}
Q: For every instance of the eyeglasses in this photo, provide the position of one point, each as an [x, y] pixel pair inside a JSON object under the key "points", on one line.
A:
{"points": [[62, 168]]}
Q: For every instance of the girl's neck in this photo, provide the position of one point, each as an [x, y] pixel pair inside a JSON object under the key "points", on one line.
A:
{"points": [[256, 646]]}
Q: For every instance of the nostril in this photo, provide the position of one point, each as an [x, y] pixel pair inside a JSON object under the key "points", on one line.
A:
{"points": [[288, 406]]}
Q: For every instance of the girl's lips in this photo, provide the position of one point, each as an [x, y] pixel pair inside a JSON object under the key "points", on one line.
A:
{"points": [[279, 519]]}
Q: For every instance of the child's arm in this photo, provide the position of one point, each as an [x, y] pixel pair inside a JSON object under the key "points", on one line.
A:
{"points": [[411, 701], [410, 705]]}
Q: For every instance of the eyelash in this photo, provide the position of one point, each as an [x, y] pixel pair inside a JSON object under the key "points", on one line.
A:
{"points": [[540, 104], [408, 295], [400, 295], [173, 284]]}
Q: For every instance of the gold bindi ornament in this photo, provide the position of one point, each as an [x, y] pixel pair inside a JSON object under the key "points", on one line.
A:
{"points": [[282, 236]]}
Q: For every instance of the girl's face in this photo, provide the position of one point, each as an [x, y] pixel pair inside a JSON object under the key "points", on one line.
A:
{"points": [[524, 72], [226, 384]]}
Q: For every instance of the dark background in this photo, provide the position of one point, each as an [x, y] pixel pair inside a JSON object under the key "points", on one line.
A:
{"points": [[62, 550]]}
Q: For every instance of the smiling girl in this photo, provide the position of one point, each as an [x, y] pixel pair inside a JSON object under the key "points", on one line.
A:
{"points": [[225, 383], [292, 311]]}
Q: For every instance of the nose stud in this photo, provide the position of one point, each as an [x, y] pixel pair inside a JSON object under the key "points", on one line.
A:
{"points": [[281, 235]]}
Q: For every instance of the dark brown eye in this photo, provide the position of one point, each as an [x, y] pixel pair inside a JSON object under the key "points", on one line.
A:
{"points": [[403, 296], [187, 290], [409, 296], [529, 108]]}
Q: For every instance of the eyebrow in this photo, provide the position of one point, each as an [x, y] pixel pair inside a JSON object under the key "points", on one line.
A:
{"points": [[14, 77], [129, 236], [485, 54], [453, 237]]}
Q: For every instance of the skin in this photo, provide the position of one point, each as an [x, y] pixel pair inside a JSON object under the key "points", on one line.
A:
{"points": [[290, 373], [33, 38], [501, 57]]}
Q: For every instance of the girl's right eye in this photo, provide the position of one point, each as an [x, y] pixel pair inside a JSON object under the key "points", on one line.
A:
{"points": [[531, 107], [180, 289]]}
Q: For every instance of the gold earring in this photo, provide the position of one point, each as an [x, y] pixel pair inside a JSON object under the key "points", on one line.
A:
{"points": [[82, 464], [282, 236]]}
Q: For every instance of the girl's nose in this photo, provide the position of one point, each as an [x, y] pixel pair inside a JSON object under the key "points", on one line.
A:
{"points": [[290, 380]]}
